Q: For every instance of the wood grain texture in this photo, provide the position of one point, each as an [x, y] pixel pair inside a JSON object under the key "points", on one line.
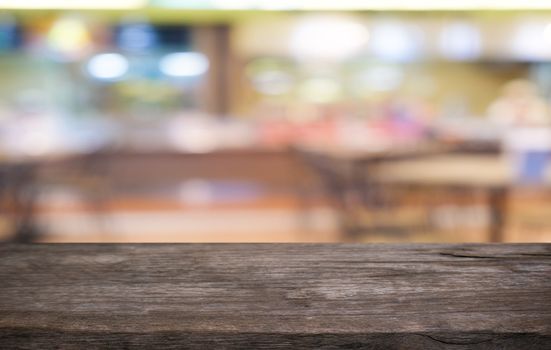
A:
{"points": [[275, 296]]}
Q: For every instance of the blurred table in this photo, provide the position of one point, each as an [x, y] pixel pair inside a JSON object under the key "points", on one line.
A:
{"points": [[103, 174], [275, 296], [345, 173], [492, 174], [17, 195], [450, 169], [20, 178]]}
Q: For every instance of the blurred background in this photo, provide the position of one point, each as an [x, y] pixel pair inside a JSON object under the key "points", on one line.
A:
{"points": [[275, 121]]}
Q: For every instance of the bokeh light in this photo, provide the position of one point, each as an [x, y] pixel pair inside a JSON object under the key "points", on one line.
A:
{"points": [[328, 38], [108, 66], [460, 41], [184, 64]]}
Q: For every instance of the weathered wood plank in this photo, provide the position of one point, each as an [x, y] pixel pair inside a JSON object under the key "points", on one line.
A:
{"points": [[276, 296]]}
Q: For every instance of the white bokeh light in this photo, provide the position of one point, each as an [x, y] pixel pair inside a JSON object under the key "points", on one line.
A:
{"points": [[328, 38], [547, 33], [108, 66], [395, 41], [184, 64], [529, 41], [460, 41]]}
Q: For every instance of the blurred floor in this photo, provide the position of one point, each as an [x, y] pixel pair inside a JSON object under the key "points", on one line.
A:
{"points": [[269, 218]]}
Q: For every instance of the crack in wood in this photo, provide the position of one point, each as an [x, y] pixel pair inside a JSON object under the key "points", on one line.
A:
{"points": [[457, 255], [449, 342]]}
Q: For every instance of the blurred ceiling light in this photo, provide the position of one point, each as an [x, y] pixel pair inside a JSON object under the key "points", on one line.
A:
{"points": [[420, 4], [108, 66], [252, 4], [281, 5], [328, 38], [189, 4], [529, 41], [460, 41], [184, 64], [324, 5], [72, 4], [69, 37], [395, 41], [234, 4], [547, 33], [340, 5]]}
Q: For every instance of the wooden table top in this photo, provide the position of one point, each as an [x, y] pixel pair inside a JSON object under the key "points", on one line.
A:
{"points": [[270, 296], [454, 170]]}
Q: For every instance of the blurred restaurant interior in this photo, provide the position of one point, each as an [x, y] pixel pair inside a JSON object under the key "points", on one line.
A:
{"points": [[275, 121]]}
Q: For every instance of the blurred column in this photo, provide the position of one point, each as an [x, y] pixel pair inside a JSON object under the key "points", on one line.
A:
{"points": [[215, 92]]}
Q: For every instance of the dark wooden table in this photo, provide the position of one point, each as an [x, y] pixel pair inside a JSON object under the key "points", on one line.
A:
{"points": [[275, 296]]}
